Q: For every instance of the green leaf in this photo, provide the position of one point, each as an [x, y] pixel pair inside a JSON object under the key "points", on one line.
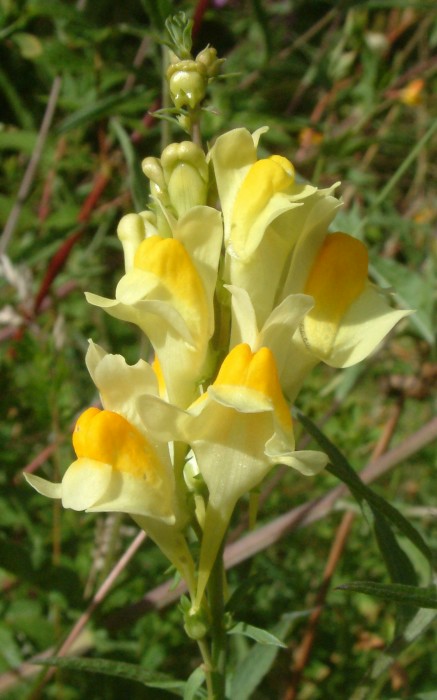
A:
{"points": [[396, 560], [120, 669], [257, 634], [18, 140], [194, 683], [396, 593], [17, 560], [97, 109], [29, 45], [137, 179], [412, 291], [259, 660], [420, 622], [341, 468]]}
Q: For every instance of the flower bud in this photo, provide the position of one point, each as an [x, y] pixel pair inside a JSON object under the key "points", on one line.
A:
{"points": [[152, 169], [187, 83], [195, 624], [208, 58], [130, 232], [186, 176]]}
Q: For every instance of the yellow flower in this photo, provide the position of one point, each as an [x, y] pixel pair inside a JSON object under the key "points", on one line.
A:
{"points": [[119, 470], [168, 292], [238, 430], [328, 310], [411, 94], [265, 211]]}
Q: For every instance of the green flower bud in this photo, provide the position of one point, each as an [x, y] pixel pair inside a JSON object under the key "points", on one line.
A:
{"points": [[195, 624], [208, 58], [130, 232], [187, 83], [186, 176], [152, 169]]}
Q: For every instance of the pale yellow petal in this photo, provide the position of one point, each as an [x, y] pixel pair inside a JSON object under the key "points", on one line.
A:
{"points": [[43, 486], [85, 483], [368, 320]]}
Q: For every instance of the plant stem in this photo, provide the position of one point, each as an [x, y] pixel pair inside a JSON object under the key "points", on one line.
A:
{"points": [[218, 632]]}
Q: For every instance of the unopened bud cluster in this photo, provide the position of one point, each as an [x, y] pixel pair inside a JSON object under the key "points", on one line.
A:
{"points": [[188, 79], [179, 179]]}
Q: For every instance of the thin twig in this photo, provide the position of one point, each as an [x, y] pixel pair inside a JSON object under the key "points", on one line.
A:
{"points": [[98, 598], [29, 175]]}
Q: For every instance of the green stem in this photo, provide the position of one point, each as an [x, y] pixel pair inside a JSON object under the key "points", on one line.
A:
{"points": [[218, 632], [207, 663], [166, 102]]}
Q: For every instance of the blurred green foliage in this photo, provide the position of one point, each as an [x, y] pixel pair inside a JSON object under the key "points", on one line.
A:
{"points": [[349, 90]]}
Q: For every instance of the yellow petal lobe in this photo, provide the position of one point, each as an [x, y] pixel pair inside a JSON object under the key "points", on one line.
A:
{"points": [[264, 179], [337, 278], [168, 259], [109, 438], [256, 371]]}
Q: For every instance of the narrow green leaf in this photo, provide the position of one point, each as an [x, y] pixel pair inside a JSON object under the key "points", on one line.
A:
{"points": [[13, 98], [137, 179], [194, 684], [396, 593], [411, 292], [18, 140], [97, 109], [341, 468], [397, 562], [257, 634], [258, 662], [151, 679], [157, 12]]}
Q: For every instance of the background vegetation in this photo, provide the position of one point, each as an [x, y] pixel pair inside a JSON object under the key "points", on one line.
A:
{"points": [[349, 90]]}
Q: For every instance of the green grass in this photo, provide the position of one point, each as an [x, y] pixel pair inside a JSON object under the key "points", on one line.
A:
{"points": [[339, 69]]}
